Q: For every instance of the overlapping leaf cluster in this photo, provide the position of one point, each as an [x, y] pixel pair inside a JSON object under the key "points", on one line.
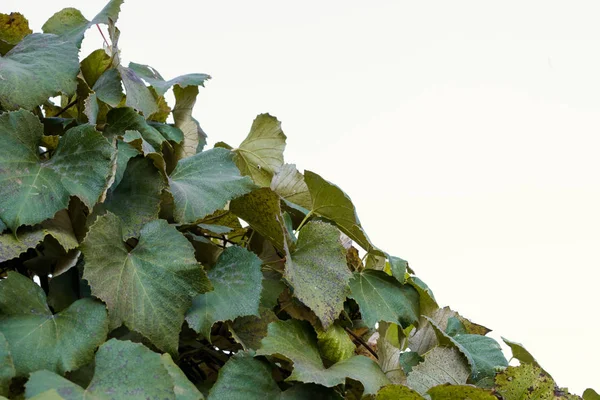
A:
{"points": [[150, 286]]}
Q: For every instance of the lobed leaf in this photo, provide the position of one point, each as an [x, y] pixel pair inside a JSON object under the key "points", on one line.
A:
{"points": [[68, 338], [236, 279], [149, 287], [194, 138], [441, 365], [35, 190]]}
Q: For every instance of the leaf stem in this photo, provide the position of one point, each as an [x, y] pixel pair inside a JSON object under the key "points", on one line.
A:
{"points": [[102, 34], [362, 342], [304, 221], [65, 108]]}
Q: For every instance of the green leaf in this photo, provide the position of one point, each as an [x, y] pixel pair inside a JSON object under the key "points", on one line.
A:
{"points": [[94, 65], [525, 382], [183, 388], [398, 267], [483, 353], [260, 155], [13, 28], [108, 88], [12, 246], [425, 338], [71, 25], [139, 96], [289, 184], [455, 327], [204, 183], [334, 344], [169, 132], [68, 339], [250, 330], [194, 137], [121, 120], [244, 377], [149, 287], [590, 394], [35, 190], [261, 209], [395, 392], [125, 152], [161, 86], [331, 202], [296, 341], [137, 198], [236, 279], [441, 365], [7, 367], [452, 392], [520, 353], [317, 271], [409, 359], [53, 62], [382, 298], [124, 370]]}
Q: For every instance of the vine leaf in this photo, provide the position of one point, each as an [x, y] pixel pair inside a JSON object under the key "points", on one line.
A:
{"points": [[136, 200], [204, 183], [7, 367], [194, 137], [159, 84], [289, 184], [441, 365], [318, 272], [183, 388], [139, 97], [382, 298], [334, 344], [124, 370], [520, 353], [34, 190], [148, 288], [68, 338], [260, 155], [13, 28], [237, 282], [245, 377], [108, 88], [71, 25], [261, 209], [53, 62], [296, 341], [121, 120], [526, 382], [449, 392], [250, 330], [394, 392], [331, 202]]}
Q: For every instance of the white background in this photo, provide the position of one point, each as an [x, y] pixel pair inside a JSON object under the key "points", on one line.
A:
{"points": [[466, 133]]}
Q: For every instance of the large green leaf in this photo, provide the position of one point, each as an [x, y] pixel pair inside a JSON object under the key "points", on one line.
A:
{"points": [[34, 190], [149, 287], [137, 198], [248, 378], [261, 209], [71, 25], [289, 184], [260, 155], [194, 137], [382, 298], [204, 183], [159, 84], [124, 370], [108, 88], [317, 271], [441, 365], [39, 340], [38, 67], [331, 202], [237, 282], [590, 394], [296, 341], [7, 367]]}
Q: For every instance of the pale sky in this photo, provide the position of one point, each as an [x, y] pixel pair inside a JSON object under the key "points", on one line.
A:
{"points": [[465, 132]]}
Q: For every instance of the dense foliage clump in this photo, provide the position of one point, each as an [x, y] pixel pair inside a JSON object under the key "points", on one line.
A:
{"points": [[136, 264]]}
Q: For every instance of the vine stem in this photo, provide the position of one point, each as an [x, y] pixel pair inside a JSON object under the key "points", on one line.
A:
{"points": [[102, 34], [304, 221], [362, 342]]}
